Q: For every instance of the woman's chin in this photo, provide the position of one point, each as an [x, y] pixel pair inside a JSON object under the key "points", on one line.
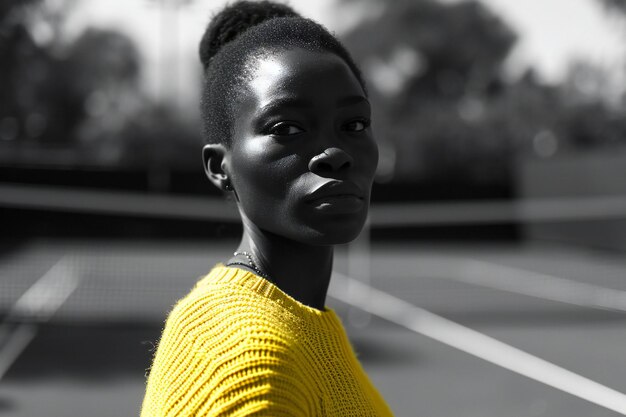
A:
{"points": [[334, 236]]}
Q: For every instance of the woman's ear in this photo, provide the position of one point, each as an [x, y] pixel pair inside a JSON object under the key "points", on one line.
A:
{"points": [[214, 160]]}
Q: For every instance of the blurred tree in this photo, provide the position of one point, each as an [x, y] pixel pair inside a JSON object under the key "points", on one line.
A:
{"points": [[119, 124], [22, 70], [103, 92], [619, 6], [457, 48], [616, 5], [443, 109], [82, 97], [434, 69], [30, 72], [10, 8]]}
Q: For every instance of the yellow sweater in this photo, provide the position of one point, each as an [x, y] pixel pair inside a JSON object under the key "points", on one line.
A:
{"points": [[237, 345]]}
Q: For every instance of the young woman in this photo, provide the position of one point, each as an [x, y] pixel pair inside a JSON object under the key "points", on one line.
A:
{"points": [[287, 131]]}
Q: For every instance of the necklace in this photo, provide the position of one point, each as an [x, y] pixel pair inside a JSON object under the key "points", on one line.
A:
{"points": [[249, 264]]}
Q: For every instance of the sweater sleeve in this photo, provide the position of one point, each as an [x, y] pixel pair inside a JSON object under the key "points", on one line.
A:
{"points": [[259, 383], [227, 365]]}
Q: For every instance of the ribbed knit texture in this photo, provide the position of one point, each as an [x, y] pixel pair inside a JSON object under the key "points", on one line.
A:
{"points": [[237, 345]]}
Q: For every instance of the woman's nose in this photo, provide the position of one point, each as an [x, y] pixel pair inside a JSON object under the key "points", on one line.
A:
{"points": [[332, 159]]}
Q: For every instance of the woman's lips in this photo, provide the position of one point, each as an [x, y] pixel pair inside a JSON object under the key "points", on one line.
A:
{"points": [[337, 197], [335, 188], [338, 203]]}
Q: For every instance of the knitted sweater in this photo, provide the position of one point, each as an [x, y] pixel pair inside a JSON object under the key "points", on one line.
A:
{"points": [[237, 345]]}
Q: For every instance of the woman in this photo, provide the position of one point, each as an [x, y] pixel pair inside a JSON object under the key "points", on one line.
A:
{"points": [[287, 126]]}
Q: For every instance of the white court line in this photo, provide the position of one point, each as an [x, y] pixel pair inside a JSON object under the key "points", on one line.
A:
{"points": [[525, 282], [19, 338], [396, 310], [48, 293], [38, 304]]}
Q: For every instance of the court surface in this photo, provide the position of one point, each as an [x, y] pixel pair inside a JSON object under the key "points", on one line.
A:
{"points": [[99, 307]]}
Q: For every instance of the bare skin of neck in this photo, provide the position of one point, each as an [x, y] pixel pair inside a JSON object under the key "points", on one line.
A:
{"points": [[302, 271]]}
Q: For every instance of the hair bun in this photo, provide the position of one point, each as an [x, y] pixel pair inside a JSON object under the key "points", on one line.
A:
{"points": [[235, 19]]}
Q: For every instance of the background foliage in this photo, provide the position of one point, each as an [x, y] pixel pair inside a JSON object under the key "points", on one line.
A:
{"points": [[445, 111]]}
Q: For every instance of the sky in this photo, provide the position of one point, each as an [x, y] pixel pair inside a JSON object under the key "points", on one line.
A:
{"points": [[548, 38]]}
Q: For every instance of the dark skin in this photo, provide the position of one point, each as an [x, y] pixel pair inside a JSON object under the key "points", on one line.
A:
{"points": [[301, 164]]}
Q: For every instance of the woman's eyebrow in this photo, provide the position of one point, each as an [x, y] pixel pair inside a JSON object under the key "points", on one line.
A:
{"points": [[352, 100]]}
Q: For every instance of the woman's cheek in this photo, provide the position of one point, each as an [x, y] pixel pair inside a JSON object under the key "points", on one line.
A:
{"points": [[369, 158], [263, 173]]}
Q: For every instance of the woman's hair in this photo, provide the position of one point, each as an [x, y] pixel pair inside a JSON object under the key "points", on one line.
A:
{"points": [[235, 37]]}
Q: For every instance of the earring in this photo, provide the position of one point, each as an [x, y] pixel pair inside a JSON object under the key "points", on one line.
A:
{"points": [[228, 187]]}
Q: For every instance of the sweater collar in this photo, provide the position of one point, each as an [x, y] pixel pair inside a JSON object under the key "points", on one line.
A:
{"points": [[262, 286]]}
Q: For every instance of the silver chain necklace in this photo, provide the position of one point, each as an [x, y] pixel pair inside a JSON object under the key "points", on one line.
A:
{"points": [[249, 264]]}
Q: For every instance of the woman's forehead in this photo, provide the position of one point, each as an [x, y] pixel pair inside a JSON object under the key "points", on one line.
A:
{"points": [[294, 71]]}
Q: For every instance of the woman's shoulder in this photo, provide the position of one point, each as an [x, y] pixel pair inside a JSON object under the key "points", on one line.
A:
{"points": [[225, 343], [227, 308]]}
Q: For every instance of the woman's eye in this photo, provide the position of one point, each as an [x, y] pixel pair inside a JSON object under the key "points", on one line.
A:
{"points": [[357, 125], [285, 129]]}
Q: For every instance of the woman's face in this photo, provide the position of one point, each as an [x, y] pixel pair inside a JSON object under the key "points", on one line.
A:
{"points": [[302, 158]]}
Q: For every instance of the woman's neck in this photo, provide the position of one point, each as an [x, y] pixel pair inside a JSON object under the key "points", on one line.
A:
{"points": [[302, 271]]}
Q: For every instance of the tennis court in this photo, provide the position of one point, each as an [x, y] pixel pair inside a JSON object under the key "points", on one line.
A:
{"points": [[84, 316]]}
